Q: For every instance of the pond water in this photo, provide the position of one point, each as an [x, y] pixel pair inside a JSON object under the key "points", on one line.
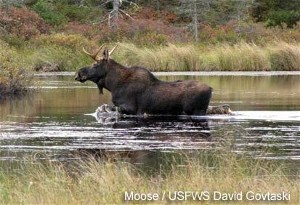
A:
{"points": [[58, 120]]}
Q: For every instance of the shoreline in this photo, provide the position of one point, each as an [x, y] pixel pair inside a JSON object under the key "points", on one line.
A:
{"points": [[194, 73]]}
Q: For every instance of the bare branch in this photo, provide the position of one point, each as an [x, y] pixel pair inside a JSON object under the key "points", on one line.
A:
{"points": [[122, 11], [130, 3], [106, 2]]}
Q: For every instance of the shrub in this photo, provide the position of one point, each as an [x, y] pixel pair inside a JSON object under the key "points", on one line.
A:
{"points": [[21, 23], [75, 12], [13, 40], [234, 32], [221, 33], [278, 18], [86, 30], [71, 41], [144, 32], [162, 15], [48, 12], [14, 73]]}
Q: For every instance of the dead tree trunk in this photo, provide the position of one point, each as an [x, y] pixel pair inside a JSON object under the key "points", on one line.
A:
{"points": [[115, 13], [195, 20]]}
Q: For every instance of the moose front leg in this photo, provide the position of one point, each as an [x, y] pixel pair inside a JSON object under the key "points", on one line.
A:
{"points": [[127, 109], [126, 106]]}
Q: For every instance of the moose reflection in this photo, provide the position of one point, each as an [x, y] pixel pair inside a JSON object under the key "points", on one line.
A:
{"points": [[135, 90]]}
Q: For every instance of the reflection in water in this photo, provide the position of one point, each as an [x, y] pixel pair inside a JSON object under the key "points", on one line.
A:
{"points": [[54, 121]]}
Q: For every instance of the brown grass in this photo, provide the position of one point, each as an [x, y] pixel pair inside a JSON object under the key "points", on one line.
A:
{"points": [[224, 57], [105, 182]]}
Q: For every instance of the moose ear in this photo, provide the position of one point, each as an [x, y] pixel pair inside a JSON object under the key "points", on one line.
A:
{"points": [[105, 54]]}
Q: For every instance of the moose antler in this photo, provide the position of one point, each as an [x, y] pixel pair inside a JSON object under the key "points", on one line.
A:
{"points": [[112, 50], [95, 55]]}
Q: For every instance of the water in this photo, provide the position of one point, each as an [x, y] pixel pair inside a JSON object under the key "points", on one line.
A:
{"points": [[57, 120]]}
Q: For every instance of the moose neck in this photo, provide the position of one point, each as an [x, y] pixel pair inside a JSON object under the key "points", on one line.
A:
{"points": [[119, 77], [115, 75]]}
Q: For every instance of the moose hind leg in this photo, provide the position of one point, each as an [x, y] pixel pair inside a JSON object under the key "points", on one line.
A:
{"points": [[199, 105]]}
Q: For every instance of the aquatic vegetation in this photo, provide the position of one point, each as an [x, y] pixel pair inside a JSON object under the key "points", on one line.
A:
{"points": [[66, 51], [164, 58], [223, 57], [285, 57], [242, 57]]}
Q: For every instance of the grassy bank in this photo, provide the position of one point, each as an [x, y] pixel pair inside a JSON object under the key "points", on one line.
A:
{"points": [[222, 57], [93, 182], [62, 52]]}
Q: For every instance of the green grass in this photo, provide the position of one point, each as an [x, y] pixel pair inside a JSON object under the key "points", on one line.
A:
{"points": [[105, 182]]}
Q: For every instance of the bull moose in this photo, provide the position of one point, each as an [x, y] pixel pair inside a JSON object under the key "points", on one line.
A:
{"points": [[135, 90]]}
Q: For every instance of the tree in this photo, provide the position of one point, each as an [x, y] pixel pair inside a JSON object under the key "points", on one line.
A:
{"points": [[276, 12], [194, 9], [213, 12], [113, 16]]}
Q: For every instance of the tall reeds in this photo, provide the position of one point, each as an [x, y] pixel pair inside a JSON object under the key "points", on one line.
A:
{"points": [[285, 57], [169, 58], [224, 57], [242, 57]]}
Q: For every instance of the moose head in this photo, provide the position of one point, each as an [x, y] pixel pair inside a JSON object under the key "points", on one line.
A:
{"points": [[98, 70]]}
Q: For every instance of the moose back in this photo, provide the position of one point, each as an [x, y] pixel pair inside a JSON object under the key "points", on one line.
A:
{"points": [[135, 90]]}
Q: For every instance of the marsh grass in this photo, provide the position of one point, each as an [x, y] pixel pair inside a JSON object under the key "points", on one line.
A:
{"points": [[242, 57], [169, 58], [64, 51], [285, 57], [92, 181], [223, 57]]}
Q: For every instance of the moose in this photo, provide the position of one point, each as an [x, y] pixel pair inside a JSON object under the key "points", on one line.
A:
{"points": [[136, 91]]}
